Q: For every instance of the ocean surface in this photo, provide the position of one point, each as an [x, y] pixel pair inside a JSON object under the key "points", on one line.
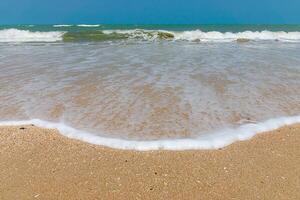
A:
{"points": [[153, 86]]}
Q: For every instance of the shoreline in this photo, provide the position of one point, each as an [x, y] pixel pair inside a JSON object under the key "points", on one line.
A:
{"points": [[211, 141], [38, 163]]}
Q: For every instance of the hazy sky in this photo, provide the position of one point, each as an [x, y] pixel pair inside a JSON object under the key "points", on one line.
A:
{"points": [[149, 11]]}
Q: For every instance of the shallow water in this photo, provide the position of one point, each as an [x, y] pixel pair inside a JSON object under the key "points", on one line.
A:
{"points": [[139, 90]]}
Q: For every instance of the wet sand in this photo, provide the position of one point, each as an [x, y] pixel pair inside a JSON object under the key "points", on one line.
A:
{"points": [[38, 163]]}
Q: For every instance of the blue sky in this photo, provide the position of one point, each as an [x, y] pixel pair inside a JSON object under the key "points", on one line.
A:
{"points": [[150, 11]]}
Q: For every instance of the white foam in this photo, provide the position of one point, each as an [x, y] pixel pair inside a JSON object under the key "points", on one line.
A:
{"points": [[149, 35], [15, 35], [214, 36], [214, 140], [88, 25], [62, 25]]}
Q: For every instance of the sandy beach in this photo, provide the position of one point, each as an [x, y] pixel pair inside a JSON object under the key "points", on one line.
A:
{"points": [[38, 163]]}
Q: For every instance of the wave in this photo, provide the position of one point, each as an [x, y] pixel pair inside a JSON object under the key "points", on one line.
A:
{"points": [[117, 35], [212, 36], [62, 25], [15, 35], [215, 140], [88, 25], [239, 36]]}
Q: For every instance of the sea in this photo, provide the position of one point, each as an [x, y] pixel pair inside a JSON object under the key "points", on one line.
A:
{"points": [[151, 87]]}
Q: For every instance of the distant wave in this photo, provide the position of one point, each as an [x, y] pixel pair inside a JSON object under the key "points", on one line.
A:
{"points": [[62, 25], [16, 35], [88, 25]]}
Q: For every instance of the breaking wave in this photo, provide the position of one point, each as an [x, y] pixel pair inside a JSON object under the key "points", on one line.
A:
{"points": [[15, 35], [215, 36]]}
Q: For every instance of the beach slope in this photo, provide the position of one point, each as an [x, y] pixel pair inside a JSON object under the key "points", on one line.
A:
{"points": [[38, 163]]}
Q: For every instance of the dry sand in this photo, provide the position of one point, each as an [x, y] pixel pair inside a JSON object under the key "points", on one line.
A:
{"points": [[38, 163]]}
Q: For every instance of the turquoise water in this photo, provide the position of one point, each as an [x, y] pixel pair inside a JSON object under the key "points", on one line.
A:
{"points": [[208, 27]]}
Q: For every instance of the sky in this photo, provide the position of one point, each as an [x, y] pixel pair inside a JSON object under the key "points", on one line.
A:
{"points": [[150, 11]]}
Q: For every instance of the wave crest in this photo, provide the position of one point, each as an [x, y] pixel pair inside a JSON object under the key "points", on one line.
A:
{"points": [[88, 25], [62, 25], [16, 35], [214, 36]]}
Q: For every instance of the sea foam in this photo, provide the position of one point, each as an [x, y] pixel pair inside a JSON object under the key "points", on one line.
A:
{"points": [[211, 36], [88, 25], [229, 36], [16, 35], [62, 25], [214, 140]]}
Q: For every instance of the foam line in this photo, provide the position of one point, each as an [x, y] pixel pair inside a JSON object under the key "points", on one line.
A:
{"points": [[88, 25], [214, 140], [212, 36], [16, 35], [215, 36], [62, 25]]}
